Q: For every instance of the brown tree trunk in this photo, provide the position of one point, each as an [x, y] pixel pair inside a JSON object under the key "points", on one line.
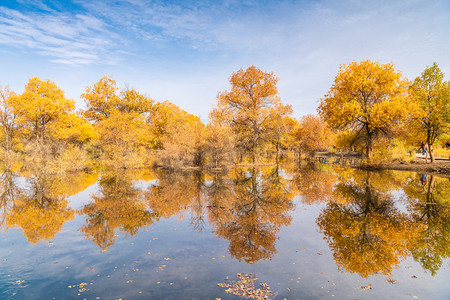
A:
{"points": [[369, 146], [277, 147], [431, 152]]}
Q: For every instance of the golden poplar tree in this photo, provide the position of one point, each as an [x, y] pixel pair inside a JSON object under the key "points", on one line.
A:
{"points": [[39, 106], [253, 104], [366, 98]]}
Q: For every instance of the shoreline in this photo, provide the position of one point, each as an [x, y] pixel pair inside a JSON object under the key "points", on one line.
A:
{"points": [[438, 168]]}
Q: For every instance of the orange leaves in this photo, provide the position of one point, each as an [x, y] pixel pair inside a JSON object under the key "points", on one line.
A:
{"points": [[252, 107], [312, 134]]}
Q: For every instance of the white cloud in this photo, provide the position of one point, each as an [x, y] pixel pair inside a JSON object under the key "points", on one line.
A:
{"points": [[64, 38]]}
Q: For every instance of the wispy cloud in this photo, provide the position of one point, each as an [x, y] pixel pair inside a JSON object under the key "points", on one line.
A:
{"points": [[68, 39]]}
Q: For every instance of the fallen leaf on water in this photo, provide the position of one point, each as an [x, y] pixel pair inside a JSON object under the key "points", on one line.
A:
{"points": [[137, 261], [414, 276], [129, 281], [391, 281], [365, 287], [166, 258], [19, 282], [319, 253]]}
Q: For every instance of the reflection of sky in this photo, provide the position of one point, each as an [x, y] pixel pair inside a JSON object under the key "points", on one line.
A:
{"points": [[195, 262], [185, 51]]}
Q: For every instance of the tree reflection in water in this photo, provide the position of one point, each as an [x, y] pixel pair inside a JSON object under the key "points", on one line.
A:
{"points": [[429, 202], [247, 207], [41, 209], [259, 207], [117, 205], [366, 233], [9, 192]]}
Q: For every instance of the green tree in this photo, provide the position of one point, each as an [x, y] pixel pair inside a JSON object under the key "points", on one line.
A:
{"points": [[432, 95]]}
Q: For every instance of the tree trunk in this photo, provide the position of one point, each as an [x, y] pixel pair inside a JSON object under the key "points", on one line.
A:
{"points": [[369, 148], [277, 147], [431, 152]]}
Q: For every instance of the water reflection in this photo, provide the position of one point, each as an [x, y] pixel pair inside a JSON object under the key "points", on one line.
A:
{"points": [[117, 205], [246, 207], [365, 231], [259, 207], [41, 209], [428, 200]]}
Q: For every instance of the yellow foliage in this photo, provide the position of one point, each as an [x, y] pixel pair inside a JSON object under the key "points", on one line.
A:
{"points": [[72, 128], [41, 104], [367, 98]]}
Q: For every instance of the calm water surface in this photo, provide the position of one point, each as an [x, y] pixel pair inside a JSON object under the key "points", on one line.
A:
{"points": [[318, 231]]}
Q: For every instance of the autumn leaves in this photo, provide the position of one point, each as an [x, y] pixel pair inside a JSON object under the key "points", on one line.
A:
{"points": [[368, 106], [369, 101]]}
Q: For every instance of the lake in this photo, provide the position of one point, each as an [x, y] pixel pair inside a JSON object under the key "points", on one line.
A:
{"points": [[317, 230]]}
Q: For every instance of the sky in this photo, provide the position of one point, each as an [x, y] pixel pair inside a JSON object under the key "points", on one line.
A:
{"points": [[185, 51]]}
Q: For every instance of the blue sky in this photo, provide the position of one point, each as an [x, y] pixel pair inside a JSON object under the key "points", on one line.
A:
{"points": [[185, 51]]}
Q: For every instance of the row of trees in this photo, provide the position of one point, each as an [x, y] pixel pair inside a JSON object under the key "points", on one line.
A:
{"points": [[368, 106]]}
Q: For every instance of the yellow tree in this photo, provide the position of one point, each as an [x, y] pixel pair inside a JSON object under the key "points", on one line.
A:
{"points": [[41, 104], [432, 95], [311, 134], [219, 137], [71, 128], [8, 120], [177, 134], [253, 105], [367, 98], [100, 99], [123, 137]]}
